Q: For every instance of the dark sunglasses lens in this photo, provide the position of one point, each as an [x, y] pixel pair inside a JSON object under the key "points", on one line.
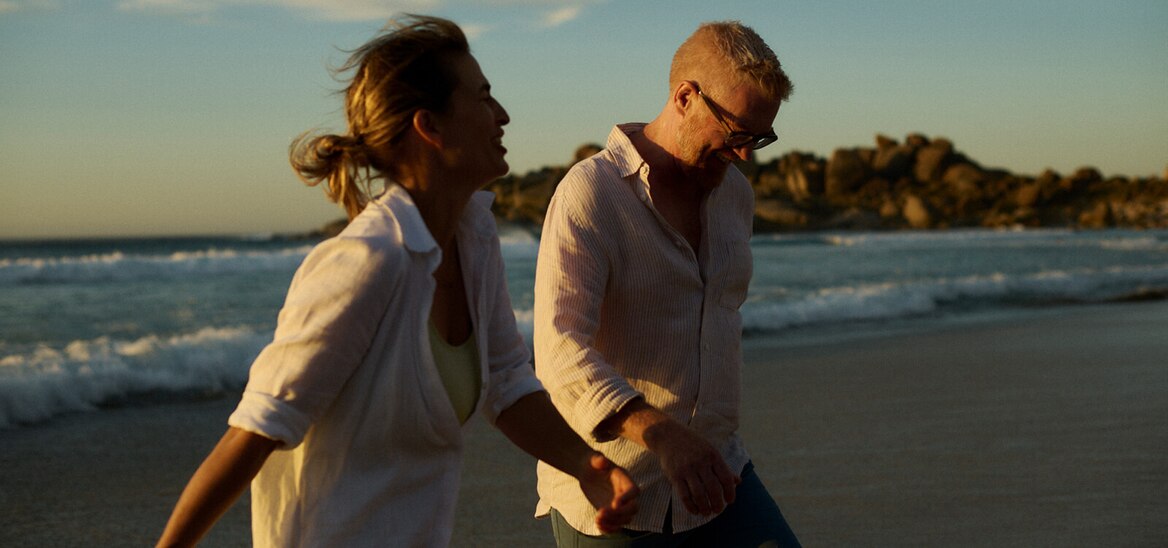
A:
{"points": [[739, 140], [764, 141]]}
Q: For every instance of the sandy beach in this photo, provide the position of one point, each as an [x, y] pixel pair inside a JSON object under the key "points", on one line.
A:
{"points": [[1046, 429]]}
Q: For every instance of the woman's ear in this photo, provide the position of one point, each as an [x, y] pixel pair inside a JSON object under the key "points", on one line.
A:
{"points": [[426, 127]]}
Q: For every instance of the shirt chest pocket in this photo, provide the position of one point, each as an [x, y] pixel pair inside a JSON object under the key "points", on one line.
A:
{"points": [[735, 267]]}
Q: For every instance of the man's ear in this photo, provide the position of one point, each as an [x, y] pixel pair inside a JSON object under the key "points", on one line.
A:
{"points": [[684, 94], [426, 126]]}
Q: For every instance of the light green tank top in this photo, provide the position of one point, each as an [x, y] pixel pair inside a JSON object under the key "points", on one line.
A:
{"points": [[458, 366]]}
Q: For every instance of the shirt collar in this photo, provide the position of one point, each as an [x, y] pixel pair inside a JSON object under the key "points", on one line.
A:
{"points": [[478, 219], [632, 167], [415, 235], [626, 157]]}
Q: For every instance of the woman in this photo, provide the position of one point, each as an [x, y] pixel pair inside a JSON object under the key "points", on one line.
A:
{"points": [[395, 331]]}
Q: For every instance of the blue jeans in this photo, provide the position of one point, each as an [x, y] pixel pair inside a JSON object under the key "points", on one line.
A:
{"points": [[753, 520]]}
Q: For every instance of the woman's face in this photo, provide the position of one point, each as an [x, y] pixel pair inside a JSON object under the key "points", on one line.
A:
{"points": [[473, 126]]}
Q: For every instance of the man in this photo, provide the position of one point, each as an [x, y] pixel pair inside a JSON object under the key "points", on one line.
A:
{"points": [[644, 261]]}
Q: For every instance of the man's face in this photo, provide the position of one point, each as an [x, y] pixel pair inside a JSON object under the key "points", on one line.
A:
{"points": [[702, 150]]}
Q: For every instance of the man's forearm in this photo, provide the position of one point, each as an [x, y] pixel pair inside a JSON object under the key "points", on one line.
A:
{"points": [[638, 422]]}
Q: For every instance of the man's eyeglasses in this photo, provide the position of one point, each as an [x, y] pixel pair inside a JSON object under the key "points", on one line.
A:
{"points": [[737, 139]]}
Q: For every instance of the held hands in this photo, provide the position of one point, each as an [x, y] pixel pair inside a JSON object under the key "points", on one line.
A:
{"points": [[610, 489], [695, 468], [533, 424]]}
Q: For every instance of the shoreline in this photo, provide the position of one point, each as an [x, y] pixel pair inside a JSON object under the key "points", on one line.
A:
{"points": [[1048, 428], [1038, 429]]}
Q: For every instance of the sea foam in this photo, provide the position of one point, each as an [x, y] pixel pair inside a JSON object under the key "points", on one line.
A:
{"points": [[87, 374], [906, 299], [120, 266]]}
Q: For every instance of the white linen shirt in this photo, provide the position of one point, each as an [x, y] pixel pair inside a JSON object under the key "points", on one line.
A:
{"points": [[371, 443], [625, 308]]}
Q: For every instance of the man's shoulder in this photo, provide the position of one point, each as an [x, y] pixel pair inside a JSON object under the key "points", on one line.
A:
{"points": [[736, 181], [595, 178], [735, 186]]}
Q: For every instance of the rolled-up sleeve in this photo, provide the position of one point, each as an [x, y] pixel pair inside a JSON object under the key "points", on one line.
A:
{"points": [[571, 273], [334, 307], [509, 374]]}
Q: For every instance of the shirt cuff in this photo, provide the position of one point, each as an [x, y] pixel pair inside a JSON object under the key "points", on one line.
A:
{"points": [[272, 418], [507, 388], [603, 403]]}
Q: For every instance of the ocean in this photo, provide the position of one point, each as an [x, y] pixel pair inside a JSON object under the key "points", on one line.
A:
{"points": [[87, 325]]}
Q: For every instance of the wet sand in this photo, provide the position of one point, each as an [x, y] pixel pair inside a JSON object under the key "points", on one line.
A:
{"points": [[1043, 430]]}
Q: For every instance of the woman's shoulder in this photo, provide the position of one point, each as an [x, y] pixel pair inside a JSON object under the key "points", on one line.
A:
{"points": [[371, 241]]}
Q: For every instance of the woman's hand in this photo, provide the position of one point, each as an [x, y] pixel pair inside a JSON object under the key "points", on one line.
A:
{"points": [[534, 425], [611, 491]]}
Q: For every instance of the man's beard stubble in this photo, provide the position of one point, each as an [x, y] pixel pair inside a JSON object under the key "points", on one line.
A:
{"points": [[707, 169]]}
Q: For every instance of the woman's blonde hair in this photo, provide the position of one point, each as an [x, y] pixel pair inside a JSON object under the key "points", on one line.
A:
{"points": [[406, 68]]}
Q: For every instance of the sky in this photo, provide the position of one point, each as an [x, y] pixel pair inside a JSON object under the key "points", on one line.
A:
{"points": [[173, 117]]}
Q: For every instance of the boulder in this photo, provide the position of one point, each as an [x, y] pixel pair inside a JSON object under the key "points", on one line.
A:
{"points": [[1098, 216], [932, 160], [585, 151], [893, 162], [1027, 195], [916, 212], [845, 171], [779, 213], [916, 140], [889, 209], [1081, 180]]}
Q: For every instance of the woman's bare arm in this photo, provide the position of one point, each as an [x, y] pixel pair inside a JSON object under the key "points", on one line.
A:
{"points": [[216, 485]]}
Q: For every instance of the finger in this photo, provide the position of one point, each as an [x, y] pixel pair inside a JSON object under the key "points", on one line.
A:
{"points": [[727, 481], [599, 462], [611, 521], [686, 499], [698, 497], [714, 491], [620, 515], [625, 492], [624, 489], [605, 521], [605, 524]]}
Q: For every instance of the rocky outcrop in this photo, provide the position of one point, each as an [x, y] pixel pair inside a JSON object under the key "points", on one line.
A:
{"points": [[920, 183]]}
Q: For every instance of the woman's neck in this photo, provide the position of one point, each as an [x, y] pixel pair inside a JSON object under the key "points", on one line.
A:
{"points": [[439, 203]]}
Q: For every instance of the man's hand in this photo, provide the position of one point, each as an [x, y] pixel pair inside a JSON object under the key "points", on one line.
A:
{"points": [[693, 466], [697, 471], [611, 491]]}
